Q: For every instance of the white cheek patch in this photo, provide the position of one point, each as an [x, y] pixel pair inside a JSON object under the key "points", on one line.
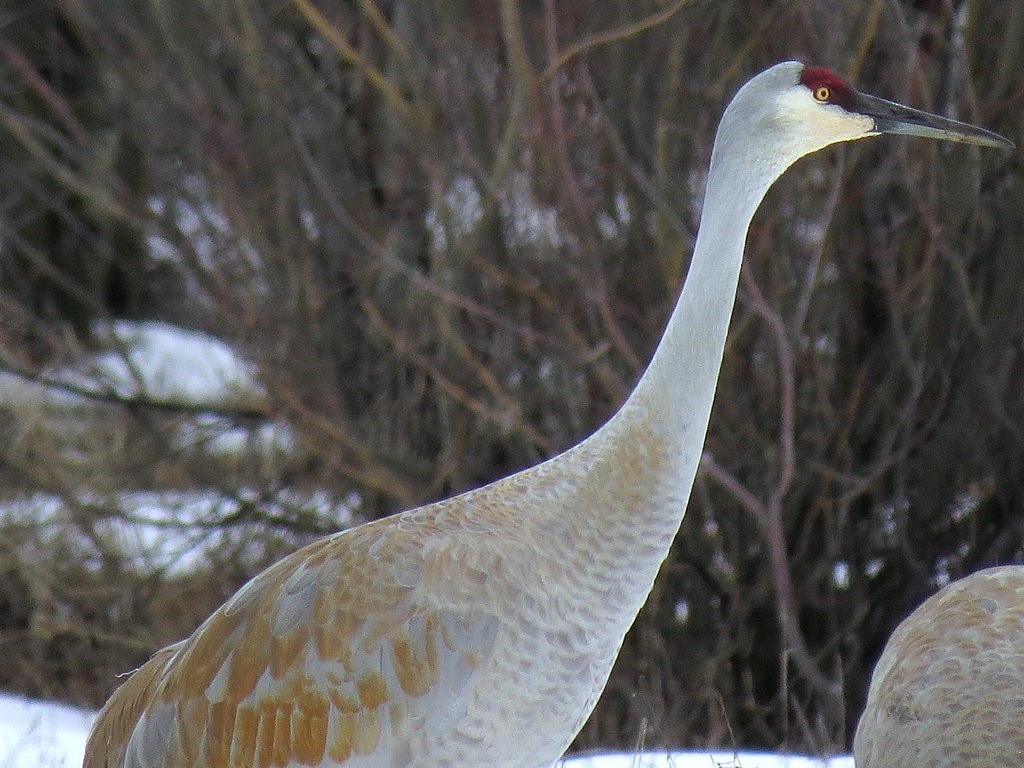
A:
{"points": [[817, 123]]}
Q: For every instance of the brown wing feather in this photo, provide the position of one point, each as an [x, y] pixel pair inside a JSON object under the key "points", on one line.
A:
{"points": [[117, 719], [302, 666]]}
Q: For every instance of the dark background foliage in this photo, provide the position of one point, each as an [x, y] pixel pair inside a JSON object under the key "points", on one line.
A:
{"points": [[448, 234]]}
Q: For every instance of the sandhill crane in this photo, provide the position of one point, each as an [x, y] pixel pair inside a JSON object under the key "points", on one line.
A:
{"points": [[480, 630], [948, 689]]}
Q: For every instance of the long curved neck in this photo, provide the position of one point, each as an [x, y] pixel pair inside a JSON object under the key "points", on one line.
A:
{"points": [[618, 497], [657, 436], [678, 388], [634, 475]]}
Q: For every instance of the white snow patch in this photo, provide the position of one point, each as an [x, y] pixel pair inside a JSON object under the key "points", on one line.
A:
{"points": [[174, 532], [154, 359], [169, 363], [36, 734], [706, 759], [460, 211], [841, 574]]}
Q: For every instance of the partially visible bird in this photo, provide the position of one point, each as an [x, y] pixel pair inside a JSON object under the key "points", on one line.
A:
{"points": [[480, 630], [948, 690]]}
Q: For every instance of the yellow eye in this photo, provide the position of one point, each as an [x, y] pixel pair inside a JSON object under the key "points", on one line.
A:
{"points": [[822, 93]]}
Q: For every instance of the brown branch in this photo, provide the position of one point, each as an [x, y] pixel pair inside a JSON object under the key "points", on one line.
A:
{"points": [[18, 127], [611, 36], [457, 393], [770, 515], [369, 471], [623, 155], [380, 24], [732, 486], [137, 402], [387, 258], [867, 38], [787, 376], [582, 211], [57, 103], [334, 36]]}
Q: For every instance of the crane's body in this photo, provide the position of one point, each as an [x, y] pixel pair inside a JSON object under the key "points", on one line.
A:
{"points": [[475, 631], [481, 630], [948, 689]]}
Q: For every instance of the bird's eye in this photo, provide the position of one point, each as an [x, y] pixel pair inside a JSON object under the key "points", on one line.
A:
{"points": [[822, 93]]}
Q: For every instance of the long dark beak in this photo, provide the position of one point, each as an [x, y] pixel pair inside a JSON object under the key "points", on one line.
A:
{"points": [[890, 117]]}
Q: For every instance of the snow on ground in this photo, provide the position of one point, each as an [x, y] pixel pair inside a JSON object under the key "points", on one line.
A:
{"points": [[36, 734], [706, 759]]}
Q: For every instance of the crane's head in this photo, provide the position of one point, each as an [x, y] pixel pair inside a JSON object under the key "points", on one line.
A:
{"points": [[791, 110]]}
